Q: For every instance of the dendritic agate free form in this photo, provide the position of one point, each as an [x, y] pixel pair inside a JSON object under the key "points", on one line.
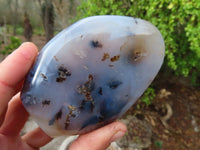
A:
{"points": [[91, 73]]}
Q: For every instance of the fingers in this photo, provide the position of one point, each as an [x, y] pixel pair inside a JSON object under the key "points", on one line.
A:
{"points": [[36, 138], [15, 118], [13, 70], [99, 139]]}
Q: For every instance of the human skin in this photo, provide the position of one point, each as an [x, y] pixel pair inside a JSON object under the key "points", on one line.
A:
{"points": [[13, 115]]}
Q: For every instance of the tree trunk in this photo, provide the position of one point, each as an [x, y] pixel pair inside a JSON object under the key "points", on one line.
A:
{"points": [[48, 19], [5, 32], [15, 17]]}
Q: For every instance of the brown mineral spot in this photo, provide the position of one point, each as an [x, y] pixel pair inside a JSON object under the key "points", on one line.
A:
{"points": [[68, 116], [67, 121], [87, 88], [137, 54], [133, 49], [111, 65], [105, 56], [66, 125], [55, 58], [115, 58], [90, 77], [71, 107]]}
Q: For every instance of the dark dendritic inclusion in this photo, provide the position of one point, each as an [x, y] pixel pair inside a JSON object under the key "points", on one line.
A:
{"points": [[46, 102], [92, 96], [100, 91], [113, 84], [96, 44], [109, 110], [63, 73]]}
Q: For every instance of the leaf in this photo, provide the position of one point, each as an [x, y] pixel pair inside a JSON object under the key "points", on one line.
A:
{"points": [[170, 6]]}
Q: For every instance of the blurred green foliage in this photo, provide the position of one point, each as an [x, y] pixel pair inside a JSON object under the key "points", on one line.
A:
{"points": [[148, 96], [39, 31], [19, 30], [178, 21], [14, 43], [158, 144]]}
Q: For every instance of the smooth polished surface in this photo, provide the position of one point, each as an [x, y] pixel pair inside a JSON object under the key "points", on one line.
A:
{"points": [[91, 73]]}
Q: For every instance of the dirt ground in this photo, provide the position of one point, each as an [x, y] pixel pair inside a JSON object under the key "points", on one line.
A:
{"points": [[174, 114], [38, 40]]}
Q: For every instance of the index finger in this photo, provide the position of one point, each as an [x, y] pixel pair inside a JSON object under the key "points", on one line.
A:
{"points": [[13, 70]]}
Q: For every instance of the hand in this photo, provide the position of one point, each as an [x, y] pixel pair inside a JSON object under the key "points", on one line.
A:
{"points": [[13, 115]]}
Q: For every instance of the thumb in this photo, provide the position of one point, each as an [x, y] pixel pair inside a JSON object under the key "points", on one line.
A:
{"points": [[99, 139]]}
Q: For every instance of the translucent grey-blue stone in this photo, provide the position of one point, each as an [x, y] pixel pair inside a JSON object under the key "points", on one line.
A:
{"points": [[91, 73]]}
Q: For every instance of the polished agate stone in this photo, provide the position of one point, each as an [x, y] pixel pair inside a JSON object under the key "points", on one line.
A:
{"points": [[91, 73]]}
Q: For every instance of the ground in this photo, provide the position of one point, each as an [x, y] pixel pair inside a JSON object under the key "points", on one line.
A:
{"points": [[173, 118], [174, 115]]}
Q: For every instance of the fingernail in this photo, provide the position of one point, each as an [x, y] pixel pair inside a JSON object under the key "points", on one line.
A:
{"points": [[117, 135], [23, 44], [26, 53]]}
